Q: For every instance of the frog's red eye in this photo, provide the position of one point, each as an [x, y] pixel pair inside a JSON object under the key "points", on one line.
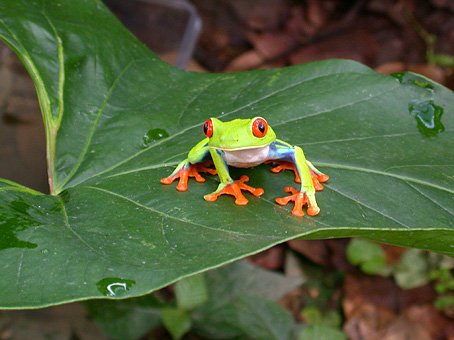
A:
{"points": [[259, 127], [208, 128]]}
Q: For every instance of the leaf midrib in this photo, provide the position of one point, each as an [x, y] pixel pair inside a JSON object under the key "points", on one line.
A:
{"points": [[383, 173]]}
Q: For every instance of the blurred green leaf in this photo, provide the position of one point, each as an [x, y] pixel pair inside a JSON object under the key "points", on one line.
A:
{"points": [[240, 304], [315, 316], [412, 270], [321, 332], [127, 319], [177, 321], [245, 316], [445, 302], [191, 292], [369, 256]]}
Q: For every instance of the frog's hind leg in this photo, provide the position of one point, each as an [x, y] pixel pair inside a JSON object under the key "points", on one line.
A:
{"points": [[317, 176], [293, 158], [321, 177]]}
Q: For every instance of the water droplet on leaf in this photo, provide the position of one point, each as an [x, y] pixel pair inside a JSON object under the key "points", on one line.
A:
{"points": [[114, 287], [428, 116], [413, 79], [423, 84], [399, 76], [152, 136]]}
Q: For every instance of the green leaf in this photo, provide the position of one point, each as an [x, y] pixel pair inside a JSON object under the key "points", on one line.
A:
{"points": [[246, 317], [262, 319], [191, 292], [245, 278], [315, 316], [126, 319], [321, 332], [240, 305], [412, 270], [368, 255], [177, 321], [110, 229]]}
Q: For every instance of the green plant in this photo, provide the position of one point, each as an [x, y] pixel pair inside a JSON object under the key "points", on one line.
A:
{"points": [[110, 230], [444, 285], [412, 270], [235, 301], [415, 268]]}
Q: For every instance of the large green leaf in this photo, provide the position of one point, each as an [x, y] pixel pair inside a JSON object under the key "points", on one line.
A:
{"points": [[111, 229]]}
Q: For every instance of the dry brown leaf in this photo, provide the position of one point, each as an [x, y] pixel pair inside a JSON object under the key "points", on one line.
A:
{"points": [[247, 60]]}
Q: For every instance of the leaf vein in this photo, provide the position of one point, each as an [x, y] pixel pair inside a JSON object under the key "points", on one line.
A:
{"points": [[61, 71], [430, 198], [367, 206], [167, 215], [335, 108], [359, 138], [382, 173], [194, 99], [73, 232], [94, 126]]}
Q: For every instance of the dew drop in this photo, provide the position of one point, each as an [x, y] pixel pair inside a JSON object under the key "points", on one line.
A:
{"points": [[152, 136], [423, 84], [412, 79], [114, 287], [428, 116], [45, 251]]}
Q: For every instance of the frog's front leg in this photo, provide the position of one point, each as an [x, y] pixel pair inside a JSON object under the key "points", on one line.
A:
{"points": [[228, 186], [306, 194], [191, 167]]}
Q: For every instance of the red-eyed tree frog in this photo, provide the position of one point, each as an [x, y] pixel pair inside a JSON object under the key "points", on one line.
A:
{"points": [[245, 143]]}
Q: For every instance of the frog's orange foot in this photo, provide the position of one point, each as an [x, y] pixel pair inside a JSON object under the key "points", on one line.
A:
{"points": [[300, 200], [287, 166], [184, 174], [234, 189], [317, 179]]}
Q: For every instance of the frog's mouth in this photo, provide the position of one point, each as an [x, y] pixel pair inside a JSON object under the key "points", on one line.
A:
{"points": [[246, 157], [240, 149]]}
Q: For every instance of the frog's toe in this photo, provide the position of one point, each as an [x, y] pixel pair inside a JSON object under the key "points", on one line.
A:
{"points": [[234, 189], [313, 211], [318, 179], [167, 180], [322, 178], [193, 170], [300, 199], [286, 166]]}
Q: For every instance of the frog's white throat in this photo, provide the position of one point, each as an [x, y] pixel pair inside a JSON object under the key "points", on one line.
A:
{"points": [[247, 158]]}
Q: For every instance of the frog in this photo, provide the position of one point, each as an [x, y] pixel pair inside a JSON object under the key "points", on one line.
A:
{"points": [[247, 143]]}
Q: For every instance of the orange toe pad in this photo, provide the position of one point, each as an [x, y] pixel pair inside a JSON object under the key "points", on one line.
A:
{"points": [[185, 174], [317, 179], [300, 200], [234, 189]]}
